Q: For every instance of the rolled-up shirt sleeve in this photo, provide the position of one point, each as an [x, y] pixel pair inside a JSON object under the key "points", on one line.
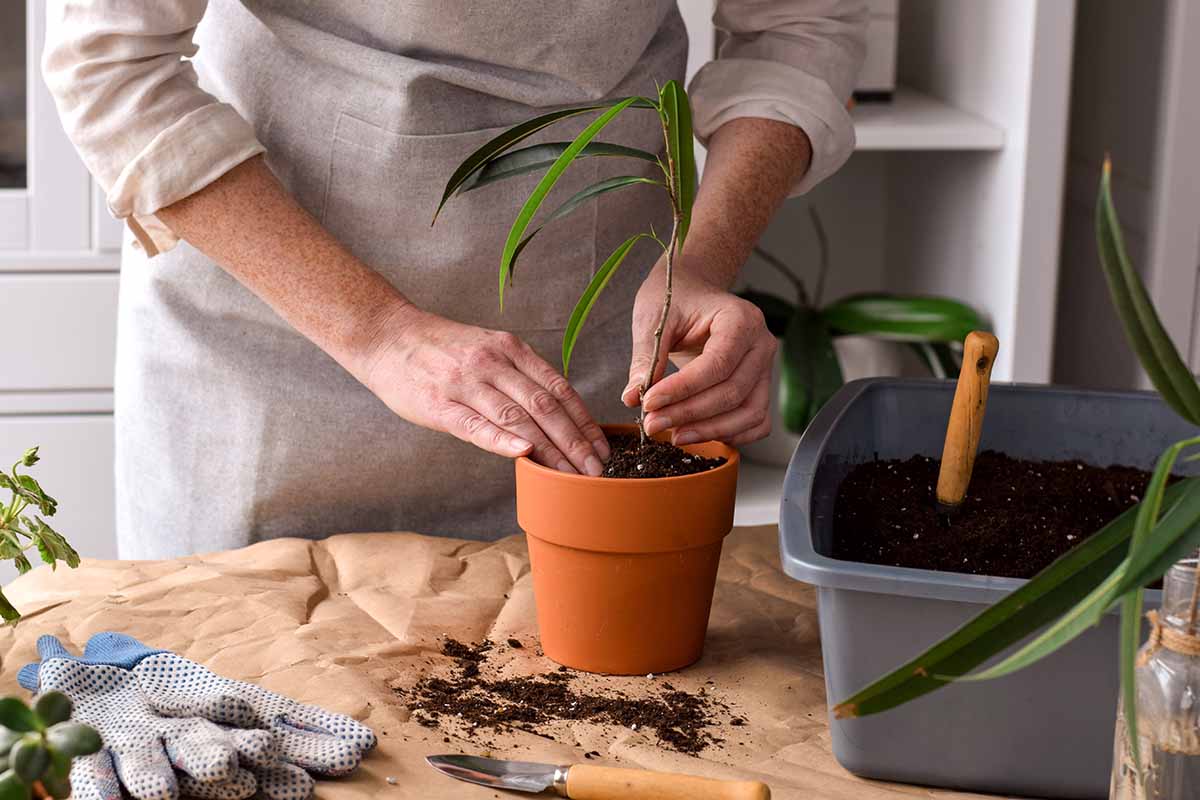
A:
{"points": [[793, 61], [130, 102]]}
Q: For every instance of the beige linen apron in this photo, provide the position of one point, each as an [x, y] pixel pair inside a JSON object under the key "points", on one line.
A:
{"points": [[231, 427]]}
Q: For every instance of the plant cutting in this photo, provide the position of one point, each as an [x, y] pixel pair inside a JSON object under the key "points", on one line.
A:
{"points": [[21, 531], [624, 567], [1046, 641], [933, 327], [37, 746]]}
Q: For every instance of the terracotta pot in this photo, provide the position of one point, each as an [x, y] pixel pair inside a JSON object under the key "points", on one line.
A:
{"points": [[624, 568]]}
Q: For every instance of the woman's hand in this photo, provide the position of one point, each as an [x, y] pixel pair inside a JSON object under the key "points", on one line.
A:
{"points": [[485, 387], [724, 351]]}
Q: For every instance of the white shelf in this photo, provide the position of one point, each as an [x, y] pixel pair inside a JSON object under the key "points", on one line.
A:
{"points": [[759, 491], [914, 121]]}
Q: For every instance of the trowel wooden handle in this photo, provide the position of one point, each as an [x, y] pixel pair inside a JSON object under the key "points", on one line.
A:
{"points": [[966, 417], [585, 782]]}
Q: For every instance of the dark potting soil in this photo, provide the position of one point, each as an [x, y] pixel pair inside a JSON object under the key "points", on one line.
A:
{"points": [[1018, 516], [467, 703], [655, 459]]}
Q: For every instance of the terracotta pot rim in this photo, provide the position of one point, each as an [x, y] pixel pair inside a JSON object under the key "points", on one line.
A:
{"points": [[730, 455]]}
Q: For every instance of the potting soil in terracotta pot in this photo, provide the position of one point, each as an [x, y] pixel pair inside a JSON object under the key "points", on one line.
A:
{"points": [[624, 569], [1017, 518]]}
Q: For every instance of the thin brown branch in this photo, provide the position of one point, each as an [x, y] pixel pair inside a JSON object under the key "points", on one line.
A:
{"points": [[676, 219]]}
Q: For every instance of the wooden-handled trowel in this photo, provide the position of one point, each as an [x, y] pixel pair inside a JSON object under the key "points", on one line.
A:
{"points": [[966, 420], [587, 782]]}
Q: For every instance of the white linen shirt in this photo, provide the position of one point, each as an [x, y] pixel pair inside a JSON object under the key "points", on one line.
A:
{"points": [[130, 101]]}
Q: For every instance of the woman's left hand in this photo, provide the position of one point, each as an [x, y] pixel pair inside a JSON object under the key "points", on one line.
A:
{"points": [[724, 353]]}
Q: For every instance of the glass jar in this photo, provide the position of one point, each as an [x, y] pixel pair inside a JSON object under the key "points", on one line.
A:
{"points": [[1168, 691]]}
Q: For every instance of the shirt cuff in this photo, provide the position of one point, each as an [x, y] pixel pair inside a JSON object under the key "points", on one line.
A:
{"points": [[193, 152], [734, 88]]}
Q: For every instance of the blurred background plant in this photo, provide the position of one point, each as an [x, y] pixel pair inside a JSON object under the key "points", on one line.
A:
{"points": [[37, 746], [810, 371]]}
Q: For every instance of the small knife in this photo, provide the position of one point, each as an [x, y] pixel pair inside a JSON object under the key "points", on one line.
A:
{"points": [[586, 782]]}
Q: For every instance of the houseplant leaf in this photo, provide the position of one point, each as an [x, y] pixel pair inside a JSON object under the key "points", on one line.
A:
{"points": [[938, 358], [810, 374], [553, 173], [575, 201], [1039, 601], [775, 310], [673, 102], [588, 299], [517, 134], [1143, 328], [540, 156], [884, 316]]}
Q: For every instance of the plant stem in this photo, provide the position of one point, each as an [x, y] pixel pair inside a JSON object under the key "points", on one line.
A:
{"points": [[676, 219], [662, 325], [785, 271]]}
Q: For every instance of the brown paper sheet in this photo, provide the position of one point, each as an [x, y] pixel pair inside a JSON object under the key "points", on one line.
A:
{"points": [[341, 622]]}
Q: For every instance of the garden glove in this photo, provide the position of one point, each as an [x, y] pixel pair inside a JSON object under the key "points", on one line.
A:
{"points": [[143, 747], [306, 737]]}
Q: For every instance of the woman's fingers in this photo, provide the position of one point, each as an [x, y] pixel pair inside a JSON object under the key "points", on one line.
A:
{"points": [[471, 426], [530, 363], [570, 450], [725, 396], [748, 422], [505, 412]]}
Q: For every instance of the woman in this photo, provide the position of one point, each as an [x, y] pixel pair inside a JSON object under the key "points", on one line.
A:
{"points": [[295, 341]]}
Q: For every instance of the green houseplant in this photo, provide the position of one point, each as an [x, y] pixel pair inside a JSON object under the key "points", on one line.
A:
{"points": [[810, 373], [1075, 592], [623, 568], [21, 530], [37, 746], [497, 160]]}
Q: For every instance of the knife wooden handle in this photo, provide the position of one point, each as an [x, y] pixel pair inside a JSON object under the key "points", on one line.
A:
{"points": [[966, 417], [585, 782]]}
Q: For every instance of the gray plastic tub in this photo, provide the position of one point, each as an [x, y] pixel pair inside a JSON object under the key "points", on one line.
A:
{"points": [[1046, 731]]}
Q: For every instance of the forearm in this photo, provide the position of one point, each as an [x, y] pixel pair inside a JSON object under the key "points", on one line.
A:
{"points": [[249, 224], [751, 166]]}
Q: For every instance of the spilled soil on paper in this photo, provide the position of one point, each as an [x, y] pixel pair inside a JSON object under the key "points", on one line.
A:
{"points": [[470, 701]]}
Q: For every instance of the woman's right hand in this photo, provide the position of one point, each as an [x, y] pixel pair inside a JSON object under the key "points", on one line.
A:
{"points": [[485, 387]]}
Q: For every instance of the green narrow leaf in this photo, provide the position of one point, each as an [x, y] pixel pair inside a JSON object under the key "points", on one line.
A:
{"points": [[938, 358], [8, 613], [1143, 328], [574, 202], [525, 216], [517, 134], [1131, 634], [588, 299], [932, 319], [673, 101], [540, 156], [775, 310], [810, 373], [1036, 603]]}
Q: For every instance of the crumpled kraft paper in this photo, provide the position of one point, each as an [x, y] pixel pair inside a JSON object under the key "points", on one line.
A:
{"points": [[341, 622]]}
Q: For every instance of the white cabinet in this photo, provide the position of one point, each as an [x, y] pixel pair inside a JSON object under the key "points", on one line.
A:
{"points": [[58, 296]]}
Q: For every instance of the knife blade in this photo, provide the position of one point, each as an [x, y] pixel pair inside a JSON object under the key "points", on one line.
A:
{"points": [[587, 782]]}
